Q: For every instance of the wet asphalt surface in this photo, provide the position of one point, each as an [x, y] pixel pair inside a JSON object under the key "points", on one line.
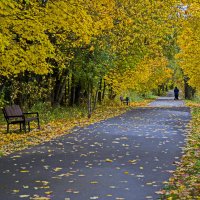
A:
{"points": [[123, 158]]}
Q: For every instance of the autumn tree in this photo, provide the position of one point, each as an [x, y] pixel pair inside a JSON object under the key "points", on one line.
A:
{"points": [[140, 34], [72, 51], [188, 41], [42, 37]]}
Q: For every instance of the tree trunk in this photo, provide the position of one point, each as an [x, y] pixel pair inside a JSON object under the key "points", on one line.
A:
{"points": [[18, 89], [75, 92], [112, 95], [68, 89], [62, 94], [189, 91], [99, 93], [89, 101], [59, 88], [104, 90], [158, 91], [95, 100], [72, 94], [78, 94]]}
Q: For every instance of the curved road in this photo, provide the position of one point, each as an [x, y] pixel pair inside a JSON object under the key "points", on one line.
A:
{"points": [[123, 158]]}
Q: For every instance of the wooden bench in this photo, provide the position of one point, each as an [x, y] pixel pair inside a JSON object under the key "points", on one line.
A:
{"points": [[14, 115], [126, 102]]}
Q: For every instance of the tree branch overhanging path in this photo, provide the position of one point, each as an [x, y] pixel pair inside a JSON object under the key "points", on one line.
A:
{"points": [[126, 157]]}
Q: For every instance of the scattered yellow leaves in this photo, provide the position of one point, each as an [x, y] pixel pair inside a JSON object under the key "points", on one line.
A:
{"points": [[13, 142]]}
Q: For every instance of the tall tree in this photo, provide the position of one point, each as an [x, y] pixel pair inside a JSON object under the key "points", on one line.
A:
{"points": [[189, 42]]}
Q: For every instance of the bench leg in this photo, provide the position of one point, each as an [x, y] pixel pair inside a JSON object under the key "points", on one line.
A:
{"points": [[38, 123], [7, 128]]}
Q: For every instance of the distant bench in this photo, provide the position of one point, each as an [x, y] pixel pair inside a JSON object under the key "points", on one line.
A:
{"points": [[125, 101], [14, 115]]}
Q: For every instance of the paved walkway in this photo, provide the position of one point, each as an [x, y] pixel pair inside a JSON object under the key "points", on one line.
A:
{"points": [[124, 158], [167, 101]]}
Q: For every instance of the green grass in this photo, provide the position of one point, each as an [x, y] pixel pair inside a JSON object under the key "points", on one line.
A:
{"points": [[48, 113]]}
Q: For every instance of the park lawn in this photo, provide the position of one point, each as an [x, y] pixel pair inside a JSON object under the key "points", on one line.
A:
{"points": [[57, 126], [185, 182]]}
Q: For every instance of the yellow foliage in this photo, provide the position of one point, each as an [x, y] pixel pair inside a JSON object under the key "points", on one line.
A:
{"points": [[189, 42], [32, 33], [147, 75], [134, 31]]}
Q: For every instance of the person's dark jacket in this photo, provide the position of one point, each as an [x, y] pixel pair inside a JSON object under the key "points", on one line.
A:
{"points": [[176, 91]]}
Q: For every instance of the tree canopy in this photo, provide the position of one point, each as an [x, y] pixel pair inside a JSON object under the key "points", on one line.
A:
{"points": [[121, 44]]}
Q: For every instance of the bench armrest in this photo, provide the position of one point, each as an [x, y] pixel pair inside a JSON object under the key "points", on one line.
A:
{"points": [[31, 113]]}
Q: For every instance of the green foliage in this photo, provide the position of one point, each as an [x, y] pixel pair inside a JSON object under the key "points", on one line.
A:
{"points": [[3, 102], [197, 98], [1, 154], [134, 96]]}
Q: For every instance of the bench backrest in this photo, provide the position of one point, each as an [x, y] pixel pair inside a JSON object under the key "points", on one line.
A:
{"points": [[13, 110]]}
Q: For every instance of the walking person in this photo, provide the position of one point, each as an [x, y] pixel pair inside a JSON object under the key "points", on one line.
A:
{"points": [[176, 93]]}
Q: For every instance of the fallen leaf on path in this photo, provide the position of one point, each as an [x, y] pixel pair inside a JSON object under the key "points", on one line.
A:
{"points": [[24, 171], [57, 169], [96, 197], [49, 192], [132, 161], [24, 196], [108, 160], [15, 191], [94, 182]]}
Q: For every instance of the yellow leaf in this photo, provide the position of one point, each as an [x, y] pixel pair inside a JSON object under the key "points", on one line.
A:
{"points": [[94, 182], [15, 191], [132, 161], [57, 169], [24, 196], [24, 171], [108, 160], [49, 192]]}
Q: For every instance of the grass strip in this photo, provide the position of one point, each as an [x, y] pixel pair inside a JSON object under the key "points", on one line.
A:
{"points": [[185, 182], [56, 123]]}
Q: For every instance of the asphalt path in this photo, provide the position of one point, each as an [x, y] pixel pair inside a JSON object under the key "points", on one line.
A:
{"points": [[123, 158]]}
